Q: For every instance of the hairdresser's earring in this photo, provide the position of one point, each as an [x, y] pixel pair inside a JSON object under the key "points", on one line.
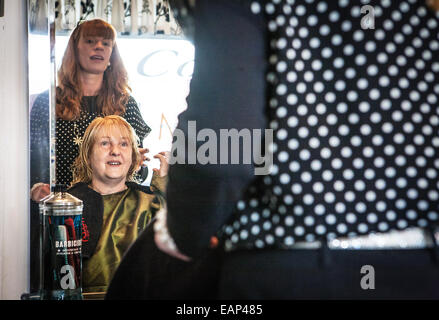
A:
{"points": [[109, 64]]}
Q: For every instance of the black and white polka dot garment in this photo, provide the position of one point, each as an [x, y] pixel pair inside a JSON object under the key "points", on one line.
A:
{"points": [[356, 123], [67, 132], [39, 139]]}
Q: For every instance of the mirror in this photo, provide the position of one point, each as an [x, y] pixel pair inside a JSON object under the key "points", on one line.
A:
{"points": [[158, 58]]}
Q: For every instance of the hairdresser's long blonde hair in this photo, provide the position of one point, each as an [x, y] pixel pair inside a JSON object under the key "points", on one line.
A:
{"points": [[82, 171], [115, 90]]}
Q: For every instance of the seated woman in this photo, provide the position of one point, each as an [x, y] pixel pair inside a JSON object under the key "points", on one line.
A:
{"points": [[116, 209]]}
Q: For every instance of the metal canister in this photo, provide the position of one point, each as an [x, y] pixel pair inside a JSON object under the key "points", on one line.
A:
{"points": [[61, 244]]}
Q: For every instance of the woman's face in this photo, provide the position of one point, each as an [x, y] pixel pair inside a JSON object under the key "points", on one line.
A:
{"points": [[94, 54], [111, 156]]}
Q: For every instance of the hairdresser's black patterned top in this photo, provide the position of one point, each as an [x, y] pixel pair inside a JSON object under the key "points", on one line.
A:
{"points": [[354, 112], [355, 119], [68, 135]]}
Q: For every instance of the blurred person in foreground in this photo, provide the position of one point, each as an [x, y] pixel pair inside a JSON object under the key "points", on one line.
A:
{"points": [[350, 207]]}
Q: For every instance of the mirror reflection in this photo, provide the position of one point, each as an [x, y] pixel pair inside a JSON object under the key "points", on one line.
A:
{"points": [[123, 58]]}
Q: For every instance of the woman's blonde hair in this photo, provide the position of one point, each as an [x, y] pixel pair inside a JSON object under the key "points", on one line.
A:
{"points": [[82, 171], [114, 92]]}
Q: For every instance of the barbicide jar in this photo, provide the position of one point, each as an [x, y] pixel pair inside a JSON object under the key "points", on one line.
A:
{"points": [[61, 244]]}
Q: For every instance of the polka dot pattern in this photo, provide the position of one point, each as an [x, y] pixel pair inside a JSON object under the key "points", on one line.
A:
{"points": [[355, 120]]}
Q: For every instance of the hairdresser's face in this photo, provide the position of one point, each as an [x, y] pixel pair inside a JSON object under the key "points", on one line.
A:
{"points": [[94, 54], [111, 156]]}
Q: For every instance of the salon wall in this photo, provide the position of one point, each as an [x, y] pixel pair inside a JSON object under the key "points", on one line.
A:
{"points": [[14, 173]]}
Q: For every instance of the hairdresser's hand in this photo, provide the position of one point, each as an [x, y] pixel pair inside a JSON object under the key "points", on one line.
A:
{"points": [[164, 164], [163, 239], [143, 158], [39, 191], [169, 250]]}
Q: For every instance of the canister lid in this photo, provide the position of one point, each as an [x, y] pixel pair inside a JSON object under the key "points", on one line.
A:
{"points": [[60, 198], [59, 188]]}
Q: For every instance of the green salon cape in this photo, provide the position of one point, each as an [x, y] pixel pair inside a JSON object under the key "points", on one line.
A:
{"points": [[126, 214]]}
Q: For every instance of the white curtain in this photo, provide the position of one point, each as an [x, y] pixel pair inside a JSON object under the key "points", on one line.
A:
{"points": [[117, 15], [162, 14], [134, 17], [69, 15], [102, 10], [147, 17], [38, 15], [127, 16]]}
